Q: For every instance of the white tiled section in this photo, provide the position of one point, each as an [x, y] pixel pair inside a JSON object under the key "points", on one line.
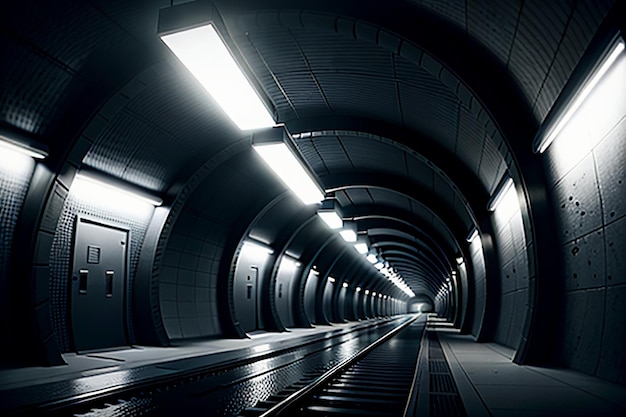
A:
{"points": [[507, 389]]}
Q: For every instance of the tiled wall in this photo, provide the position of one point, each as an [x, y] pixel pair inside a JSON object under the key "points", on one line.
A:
{"points": [[188, 279], [511, 246], [479, 287], [586, 164]]}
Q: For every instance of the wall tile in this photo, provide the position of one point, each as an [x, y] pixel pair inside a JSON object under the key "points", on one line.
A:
{"points": [[578, 201], [584, 262], [616, 252]]}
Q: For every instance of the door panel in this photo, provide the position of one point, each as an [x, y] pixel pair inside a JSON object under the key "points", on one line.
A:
{"points": [[98, 286]]}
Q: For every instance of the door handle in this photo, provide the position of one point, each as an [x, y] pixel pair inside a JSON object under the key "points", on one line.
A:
{"points": [[83, 274]]}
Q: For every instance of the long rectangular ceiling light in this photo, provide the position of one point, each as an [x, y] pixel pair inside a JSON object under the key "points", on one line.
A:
{"points": [[330, 213], [284, 163], [542, 142], [206, 56]]}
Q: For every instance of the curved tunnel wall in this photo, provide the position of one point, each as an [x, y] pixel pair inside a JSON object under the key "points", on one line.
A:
{"points": [[588, 185]]}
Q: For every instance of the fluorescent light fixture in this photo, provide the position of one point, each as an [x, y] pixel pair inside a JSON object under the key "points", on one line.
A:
{"points": [[344, 285], [501, 192], [331, 218], [95, 186], [542, 142], [6, 143], [330, 213], [272, 146], [206, 56], [348, 235], [473, 234], [258, 248], [361, 247], [372, 258], [331, 279]]}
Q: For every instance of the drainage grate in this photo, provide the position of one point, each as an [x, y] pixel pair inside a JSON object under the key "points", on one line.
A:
{"points": [[444, 398]]}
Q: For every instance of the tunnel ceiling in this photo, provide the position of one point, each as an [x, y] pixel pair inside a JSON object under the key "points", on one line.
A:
{"points": [[396, 106]]}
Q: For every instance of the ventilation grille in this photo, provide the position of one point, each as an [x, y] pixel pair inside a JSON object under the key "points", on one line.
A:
{"points": [[444, 397]]}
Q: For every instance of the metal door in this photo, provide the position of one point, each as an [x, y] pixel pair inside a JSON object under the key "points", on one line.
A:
{"points": [[249, 315], [98, 286]]}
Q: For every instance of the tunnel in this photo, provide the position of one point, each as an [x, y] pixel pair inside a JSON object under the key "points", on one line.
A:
{"points": [[464, 163]]}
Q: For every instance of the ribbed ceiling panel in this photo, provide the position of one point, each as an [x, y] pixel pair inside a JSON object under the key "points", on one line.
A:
{"points": [[308, 147], [391, 199], [452, 10], [492, 166], [332, 154], [282, 69], [494, 26], [330, 51], [420, 172], [422, 212], [471, 139], [359, 196], [538, 35], [578, 34], [433, 114], [367, 154], [367, 96]]}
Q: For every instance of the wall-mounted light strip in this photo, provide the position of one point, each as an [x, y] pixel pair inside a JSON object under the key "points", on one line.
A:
{"points": [[258, 247], [273, 146], [345, 285], [331, 279], [544, 139], [205, 55], [89, 182], [372, 258], [473, 234], [506, 185], [21, 148]]}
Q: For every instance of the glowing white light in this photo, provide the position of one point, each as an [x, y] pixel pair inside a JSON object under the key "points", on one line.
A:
{"points": [[367, 292], [7, 144], [501, 194], [106, 196], [358, 289], [205, 55], [331, 279], [372, 258], [473, 235], [459, 260], [15, 163], [284, 163], [374, 294], [348, 235], [379, 265], [571, 109], [361, 248], [345, 285], [331, 218], [257, 249]]}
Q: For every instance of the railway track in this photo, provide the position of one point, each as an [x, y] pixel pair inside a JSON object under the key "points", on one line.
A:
{"points": [[377, 382]]}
